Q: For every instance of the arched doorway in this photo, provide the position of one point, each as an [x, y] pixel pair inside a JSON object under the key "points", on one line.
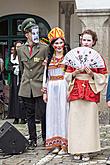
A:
{"points": [[10, 30]]}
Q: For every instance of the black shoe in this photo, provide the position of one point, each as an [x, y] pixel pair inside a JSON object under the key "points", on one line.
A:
{"points": [[108, 161], [32, 145], [16, 121], [23, 121]]}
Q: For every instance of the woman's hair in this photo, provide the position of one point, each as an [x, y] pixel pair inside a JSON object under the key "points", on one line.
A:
{"points": [[92, 33], [0, 55], [15, 50], [51, 53]]}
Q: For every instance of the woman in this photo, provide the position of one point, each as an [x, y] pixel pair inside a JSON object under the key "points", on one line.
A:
{"points": [[15, 107], [84, 94], [1, 74], [55, 94], [1, 83]]}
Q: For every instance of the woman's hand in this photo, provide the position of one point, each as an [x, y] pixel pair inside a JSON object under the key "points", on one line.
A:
{"points": [[108, 103], [77, 71], [45, 98], [89, 71]]}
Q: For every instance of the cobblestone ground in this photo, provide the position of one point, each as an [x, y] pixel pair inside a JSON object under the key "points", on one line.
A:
{"points": [[40, 156]]}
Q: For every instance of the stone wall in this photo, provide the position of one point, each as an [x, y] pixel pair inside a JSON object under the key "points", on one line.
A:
{"points": [[105, 135]]}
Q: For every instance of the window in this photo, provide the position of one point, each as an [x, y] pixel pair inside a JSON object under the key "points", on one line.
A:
{"points": [[16, 27], [4, 27]]}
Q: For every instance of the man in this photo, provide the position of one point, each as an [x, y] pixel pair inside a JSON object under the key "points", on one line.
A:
{"points": [[31, 56], [108, 104]]}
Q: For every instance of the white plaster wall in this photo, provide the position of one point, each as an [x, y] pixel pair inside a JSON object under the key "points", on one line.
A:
{"points": [[47, 9], [93, 4]]}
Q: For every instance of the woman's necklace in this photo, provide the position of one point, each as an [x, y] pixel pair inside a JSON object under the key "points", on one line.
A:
{"points": [[57, 60]]}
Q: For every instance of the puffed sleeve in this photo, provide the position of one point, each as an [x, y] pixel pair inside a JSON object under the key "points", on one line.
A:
{"points": [[68, 74], [100, 80]]}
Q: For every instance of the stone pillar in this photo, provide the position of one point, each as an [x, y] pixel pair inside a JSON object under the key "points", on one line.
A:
{"points": [[98, 20], [66, 8]]}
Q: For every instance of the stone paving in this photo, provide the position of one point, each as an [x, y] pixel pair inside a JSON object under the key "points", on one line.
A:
{"points": [[40, 156]]}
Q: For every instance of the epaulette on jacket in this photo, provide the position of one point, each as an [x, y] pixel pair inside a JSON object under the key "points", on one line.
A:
{"points": [[43, 43]]}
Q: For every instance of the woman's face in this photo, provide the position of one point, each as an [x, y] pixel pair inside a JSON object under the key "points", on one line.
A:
{"points": [[58, 45], [18, 45], [12, 50], [87, 40]]}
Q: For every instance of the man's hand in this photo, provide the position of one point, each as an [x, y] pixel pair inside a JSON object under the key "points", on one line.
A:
{"points": [[45, 98]]}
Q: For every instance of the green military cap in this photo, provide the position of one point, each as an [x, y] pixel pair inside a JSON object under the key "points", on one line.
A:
{"points": [[27, 24]]}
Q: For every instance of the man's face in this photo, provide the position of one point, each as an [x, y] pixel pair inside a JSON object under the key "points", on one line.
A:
{"points": [[35, 34], [29, 36]]}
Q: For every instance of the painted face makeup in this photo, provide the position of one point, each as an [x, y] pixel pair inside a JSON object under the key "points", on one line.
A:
{"points": [[35, 34], [58, 45], [87, 40]]}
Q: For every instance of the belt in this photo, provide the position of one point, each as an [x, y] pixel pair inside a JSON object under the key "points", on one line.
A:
{"points": [[59, 77]]}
